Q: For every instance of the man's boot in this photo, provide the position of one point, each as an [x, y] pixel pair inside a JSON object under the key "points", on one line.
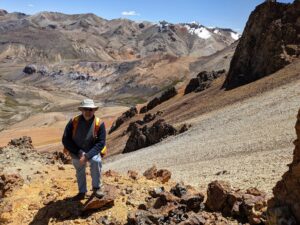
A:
{"points": [[98, 192]]}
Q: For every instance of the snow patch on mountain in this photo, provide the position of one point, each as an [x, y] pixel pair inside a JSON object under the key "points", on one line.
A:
{"points": [[235, 36], [202, 32]]}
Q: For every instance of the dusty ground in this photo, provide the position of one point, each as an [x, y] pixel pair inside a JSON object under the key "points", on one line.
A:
{"points": [[249, 143], [31, 203]]}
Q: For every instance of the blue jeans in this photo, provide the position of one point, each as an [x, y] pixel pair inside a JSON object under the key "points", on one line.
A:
{"points": [[95, 167]]}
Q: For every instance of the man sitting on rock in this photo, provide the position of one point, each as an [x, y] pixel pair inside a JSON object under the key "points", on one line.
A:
{"points": [[84, 139]]}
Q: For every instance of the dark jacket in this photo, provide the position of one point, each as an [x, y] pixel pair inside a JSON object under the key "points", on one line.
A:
{"points": [[83, 138]]}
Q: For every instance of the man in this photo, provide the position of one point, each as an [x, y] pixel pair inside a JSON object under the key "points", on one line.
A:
{"points": [[84, 139]]}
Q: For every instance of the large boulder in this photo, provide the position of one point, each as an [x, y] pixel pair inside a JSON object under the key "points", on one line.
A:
{"points": [[269, 42], [285, 205], [202, 81], [141, 137]]}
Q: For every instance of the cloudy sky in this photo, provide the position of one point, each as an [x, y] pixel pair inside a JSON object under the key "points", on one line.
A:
{"points": [[221, 13]]}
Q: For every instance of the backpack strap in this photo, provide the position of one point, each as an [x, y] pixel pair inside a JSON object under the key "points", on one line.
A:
{"points": [[75, 124], [96, 129]]}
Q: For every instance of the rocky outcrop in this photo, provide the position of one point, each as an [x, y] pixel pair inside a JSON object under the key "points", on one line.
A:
{"points": [[249, 205], [144, 136], [202, 81], [22, 142], [123, 118], [269, 42], [162, 175], [170, 93], [284, 208]]}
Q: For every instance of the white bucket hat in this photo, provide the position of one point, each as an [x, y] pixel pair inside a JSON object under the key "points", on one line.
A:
{"points": [[88, 103]]}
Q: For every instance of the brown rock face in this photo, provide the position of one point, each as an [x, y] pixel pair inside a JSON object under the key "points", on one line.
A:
{"points": [[250, 206], [8, 182], [124, 117], [144, 137], [285, 206], [270, 41]]}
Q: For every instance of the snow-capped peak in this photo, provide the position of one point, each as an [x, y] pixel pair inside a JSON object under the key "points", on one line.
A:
{"points": [[201, 31]]}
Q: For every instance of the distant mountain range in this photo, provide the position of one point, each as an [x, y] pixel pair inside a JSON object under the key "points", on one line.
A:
{"points": [[126, 59], [52, 36]]}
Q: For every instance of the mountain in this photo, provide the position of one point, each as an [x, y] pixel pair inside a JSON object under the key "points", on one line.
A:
{"points": [[270, 41], [113, 60], [50, 36]]}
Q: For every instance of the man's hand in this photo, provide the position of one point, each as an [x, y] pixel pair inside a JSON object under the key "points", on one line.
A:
{"points": [[83, 160]]}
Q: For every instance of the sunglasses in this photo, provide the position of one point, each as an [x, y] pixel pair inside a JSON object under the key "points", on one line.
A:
{"points": [[88, 109]]}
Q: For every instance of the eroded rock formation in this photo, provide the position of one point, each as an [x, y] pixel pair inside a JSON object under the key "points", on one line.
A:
{"points": [[270, 41], [284, 208]]}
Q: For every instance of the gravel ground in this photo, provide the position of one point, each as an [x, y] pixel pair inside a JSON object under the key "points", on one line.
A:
{"points": [[248, 143]]}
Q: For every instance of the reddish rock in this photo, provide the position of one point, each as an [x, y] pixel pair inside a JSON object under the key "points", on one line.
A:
{"points": [[110, 194], [150, 173], [8, 182], [133, 174], [217, 194], [163, 175], [285, 206]]}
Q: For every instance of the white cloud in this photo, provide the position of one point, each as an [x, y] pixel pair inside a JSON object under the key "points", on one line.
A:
{"points": [[30, 5], [130, 13]]}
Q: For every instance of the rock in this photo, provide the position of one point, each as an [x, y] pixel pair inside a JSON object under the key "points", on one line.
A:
{"points": [[124, 117], [264, 47], [143, 137], [61, 167], [149, 117], [30, 69], [133, 174], [163, 175], [8, 182], [168, 94], [202, 81], [217, 194], [110, 194], [194, 220], [3, 12], [150, 173], [285, 205], [143, 109], [184, 128], [23, 142], [179, 190], [62, 158]]}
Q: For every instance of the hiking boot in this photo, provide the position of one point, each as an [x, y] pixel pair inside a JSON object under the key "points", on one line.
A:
{"points": [[78, 197], [98, 192]]}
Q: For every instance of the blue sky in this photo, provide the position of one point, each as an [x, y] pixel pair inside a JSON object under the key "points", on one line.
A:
{"points": [[222, 13]]}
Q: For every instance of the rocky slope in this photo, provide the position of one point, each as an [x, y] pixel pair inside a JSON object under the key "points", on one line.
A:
{"points": [[270, 41]]}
